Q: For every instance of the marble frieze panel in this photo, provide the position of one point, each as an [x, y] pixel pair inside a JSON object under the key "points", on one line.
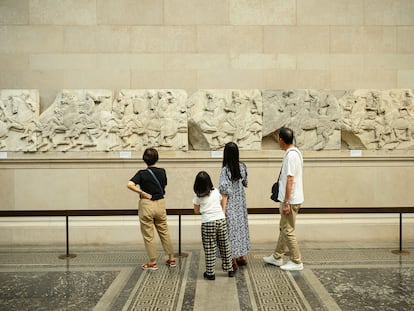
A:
{"points": [[314, 116], [77, 120], [153, 118], [378, 119], [19, 116], [100, 120], [93, 120], [216, 117]]}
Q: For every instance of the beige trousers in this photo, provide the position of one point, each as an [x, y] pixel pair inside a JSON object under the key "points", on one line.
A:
{"points": [[152, 214], [287, 235]]}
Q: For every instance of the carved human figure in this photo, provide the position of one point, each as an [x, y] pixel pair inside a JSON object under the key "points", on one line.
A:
{"points": [[316, 117], [17, 115], [133, 124], [248, 119], [254, 124], [168, 115], [220, 116], [348, 102], [31, 134], [372, 125], [182, 127], [241, 104], [402, 125], [209, 122], [50, 128], [4, 129], [113, 125], [16, 103], [291, 104], [227, 126], [329, 113], [81, 124], [154, 123]]}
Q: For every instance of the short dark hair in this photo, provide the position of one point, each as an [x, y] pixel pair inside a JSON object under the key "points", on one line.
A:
{"points": [[286, 134], [150, 156], [202, 184]]}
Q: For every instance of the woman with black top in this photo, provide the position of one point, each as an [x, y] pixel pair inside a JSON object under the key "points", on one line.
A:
{"points": [[150, 184]]}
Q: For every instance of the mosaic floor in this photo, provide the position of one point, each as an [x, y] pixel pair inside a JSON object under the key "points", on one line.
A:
{"points": [[104, 279]]}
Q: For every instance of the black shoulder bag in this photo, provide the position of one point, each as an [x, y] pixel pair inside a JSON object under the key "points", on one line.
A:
{"points": [[275, 190]]}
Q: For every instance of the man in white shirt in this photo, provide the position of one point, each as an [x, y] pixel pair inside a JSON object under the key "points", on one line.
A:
{"points": [[291, 198]]}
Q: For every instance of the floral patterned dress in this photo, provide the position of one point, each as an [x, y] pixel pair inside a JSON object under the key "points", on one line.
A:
{"points": [[236, 211]]}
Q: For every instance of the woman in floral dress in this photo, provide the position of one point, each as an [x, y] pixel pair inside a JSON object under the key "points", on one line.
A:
{"points": [[233, 180]]}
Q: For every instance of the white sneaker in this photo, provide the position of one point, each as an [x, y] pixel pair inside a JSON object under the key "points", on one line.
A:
{"points": [[291, 266], [273, 261]]}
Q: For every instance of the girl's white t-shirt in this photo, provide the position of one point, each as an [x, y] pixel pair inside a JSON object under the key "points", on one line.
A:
{"points": [[210, 206]]}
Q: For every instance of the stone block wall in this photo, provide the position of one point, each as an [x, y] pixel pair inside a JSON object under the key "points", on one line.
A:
{"points": [[218, 44]]}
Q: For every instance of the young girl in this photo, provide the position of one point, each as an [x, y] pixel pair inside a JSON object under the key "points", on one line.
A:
{"points": [[208, 202]]}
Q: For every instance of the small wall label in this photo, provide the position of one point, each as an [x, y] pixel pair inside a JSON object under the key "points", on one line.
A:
{"points": [[217, 154], [356, 153], [125, 154]]}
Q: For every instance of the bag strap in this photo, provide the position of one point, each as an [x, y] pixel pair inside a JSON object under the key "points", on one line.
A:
{"points": [[280, 172], [285, 157], [156, 180], [296, 150]]}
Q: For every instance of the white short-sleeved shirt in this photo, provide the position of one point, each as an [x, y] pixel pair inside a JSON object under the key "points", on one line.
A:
{"points": [[292, 166], [210, 206]]}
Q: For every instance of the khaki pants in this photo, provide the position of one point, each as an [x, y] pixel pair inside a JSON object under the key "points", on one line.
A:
{"points": [[152, 213], [287, 235]]}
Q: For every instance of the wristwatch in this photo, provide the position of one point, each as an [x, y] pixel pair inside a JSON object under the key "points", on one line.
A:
{"points": [[285, 203]]}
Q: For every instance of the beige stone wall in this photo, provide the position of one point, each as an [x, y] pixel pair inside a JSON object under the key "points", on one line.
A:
{"points": [[332, 179], [263, 44]]}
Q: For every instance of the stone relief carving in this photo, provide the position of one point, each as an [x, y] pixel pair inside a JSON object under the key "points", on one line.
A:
{"points": [[95, 120], [135, 120], [374, 119], [313, 115], [75, 121], [155, 118], [216, 117], [19, 113]]}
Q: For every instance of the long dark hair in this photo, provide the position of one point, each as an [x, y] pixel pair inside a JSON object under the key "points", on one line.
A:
{"points": [[231, 160], [203, 184]]}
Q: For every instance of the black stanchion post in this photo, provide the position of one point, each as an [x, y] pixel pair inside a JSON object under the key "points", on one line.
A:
{"points": [[180, 254], [67, 236], [179, 235], [67, 255], [400, 251], [400, 232]]}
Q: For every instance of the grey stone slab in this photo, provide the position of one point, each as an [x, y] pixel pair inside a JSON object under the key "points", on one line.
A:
{"points": [[387, 288], [53, 290]]}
